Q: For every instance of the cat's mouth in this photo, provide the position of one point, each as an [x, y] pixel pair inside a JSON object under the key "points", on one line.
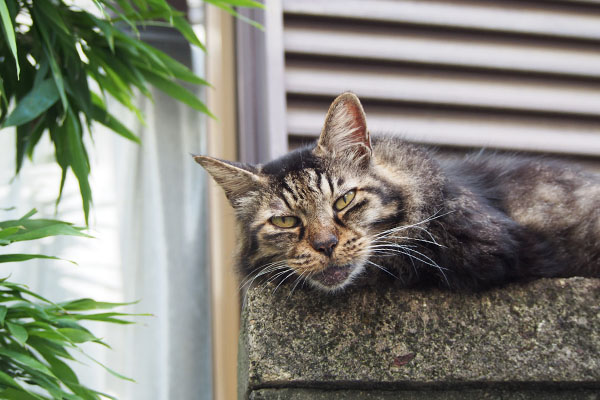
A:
{"points": [[334, 275]]}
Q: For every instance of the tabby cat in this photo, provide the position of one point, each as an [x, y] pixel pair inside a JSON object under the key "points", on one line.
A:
{"points": [[350, 206]]}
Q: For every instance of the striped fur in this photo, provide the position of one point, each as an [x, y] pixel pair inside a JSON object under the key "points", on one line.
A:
{"points": [[471, 224]]}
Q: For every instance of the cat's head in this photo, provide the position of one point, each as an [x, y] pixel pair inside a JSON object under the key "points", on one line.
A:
{"points": [[315, 212]]}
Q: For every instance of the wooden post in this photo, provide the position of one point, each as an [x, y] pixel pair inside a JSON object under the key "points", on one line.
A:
{"points": [[222, 143]]}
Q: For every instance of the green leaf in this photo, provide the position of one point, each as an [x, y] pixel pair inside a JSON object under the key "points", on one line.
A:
{"points": [[27, 137], [19, 394], [48, 47], [127, 8], [23, 289], [77, 335], [108, 317], [48, 383], [121, 94], [10, 32], [42, 71], [25, 309], [231, 10], [53, 14], [29, 214], [4, 258], [58, 367], [38, 100], [26, 359], [142, 4], [3, 311], [178, 70], [4, 232], [109, 370], [186, 30], [122, 68], [102, 116], [90, 304], [79, 162], [107, 29], [8, 380], [32, 229], [48, 345], [176, 91], [18, 332], [243, 3]]}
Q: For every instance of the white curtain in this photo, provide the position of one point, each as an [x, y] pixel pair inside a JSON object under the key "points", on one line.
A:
{"points": [[149, 220]]}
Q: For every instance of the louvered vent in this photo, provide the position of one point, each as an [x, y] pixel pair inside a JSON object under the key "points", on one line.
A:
{"points": [[522, 75]]}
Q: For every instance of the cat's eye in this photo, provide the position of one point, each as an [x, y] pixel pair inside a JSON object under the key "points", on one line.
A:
{"points": [[343, 201], [285, 222]]}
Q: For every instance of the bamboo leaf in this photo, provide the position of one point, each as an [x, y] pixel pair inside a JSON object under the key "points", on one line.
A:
{"points": [[90, 304], [4, 232], [79, 162], [38, 100], [18, 332], [112, 372], [243, 3], [56, 348], [186, 30], [10, 33], [176, 91], [59, 368], [53, 15], [48, 47], [23, 289], [109, 317], [20, 394], [8, 380], [231, 10], [102, 116], [77, 335], [31, 229], [4, 258], [178, 70], [26, 359]]}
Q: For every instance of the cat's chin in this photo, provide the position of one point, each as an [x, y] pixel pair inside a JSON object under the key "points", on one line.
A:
{"points": [[335, 277]]}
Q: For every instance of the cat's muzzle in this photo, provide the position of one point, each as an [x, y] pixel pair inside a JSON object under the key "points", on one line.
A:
{"points": [[333, 275]]}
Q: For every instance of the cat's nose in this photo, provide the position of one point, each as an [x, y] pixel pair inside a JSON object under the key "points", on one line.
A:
{"points": [[325, 244]]}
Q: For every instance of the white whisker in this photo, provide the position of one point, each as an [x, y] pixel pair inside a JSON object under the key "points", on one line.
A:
{"points": [[383, 269]]}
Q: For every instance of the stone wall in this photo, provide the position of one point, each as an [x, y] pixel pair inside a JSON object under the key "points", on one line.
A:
{"points": [[536, 340]]}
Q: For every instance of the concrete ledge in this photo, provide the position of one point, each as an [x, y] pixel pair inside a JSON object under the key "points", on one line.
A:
{"points": [[536, 340]]}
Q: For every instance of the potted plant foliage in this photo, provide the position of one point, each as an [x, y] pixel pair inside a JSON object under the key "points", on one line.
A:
{"points": [[58, 66]]}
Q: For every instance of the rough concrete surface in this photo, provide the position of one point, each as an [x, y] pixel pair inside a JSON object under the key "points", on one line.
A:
{"points": [[400, 343], [462, 394]]}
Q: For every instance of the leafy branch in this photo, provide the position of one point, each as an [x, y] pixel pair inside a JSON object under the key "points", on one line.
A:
{"points": [[67, 62], [37, 336]]}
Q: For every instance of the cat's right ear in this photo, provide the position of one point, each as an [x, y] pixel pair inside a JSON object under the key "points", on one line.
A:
{"points": [[345, 132], [236, 179]]}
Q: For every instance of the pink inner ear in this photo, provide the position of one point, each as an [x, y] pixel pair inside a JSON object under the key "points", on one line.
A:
{"points": [[360, 134], [345, 131]]}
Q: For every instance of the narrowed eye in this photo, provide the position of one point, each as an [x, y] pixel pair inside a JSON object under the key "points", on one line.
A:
{"points": [[285, 222], [343, 201]]}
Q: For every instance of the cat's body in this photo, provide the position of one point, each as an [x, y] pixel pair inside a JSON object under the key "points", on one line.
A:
{"points": [[348, 207]]}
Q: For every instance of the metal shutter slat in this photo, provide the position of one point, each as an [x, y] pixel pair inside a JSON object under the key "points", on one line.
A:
{"points": [[442, 50], [465, 91], [462, 129], [486, 16]]}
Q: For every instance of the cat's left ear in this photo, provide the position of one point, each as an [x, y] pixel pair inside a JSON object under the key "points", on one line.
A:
{"points": [[236, 179], [345, 131]]}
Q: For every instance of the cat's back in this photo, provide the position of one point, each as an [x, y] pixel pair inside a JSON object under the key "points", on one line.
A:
{"points": [[554, 201], [536, 191]]}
